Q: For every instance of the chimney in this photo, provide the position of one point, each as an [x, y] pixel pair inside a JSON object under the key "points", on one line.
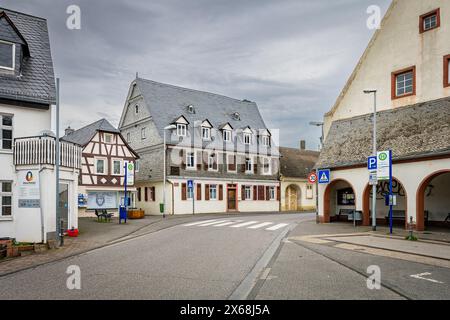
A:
{"points": [[68, 131], [302, 145]]}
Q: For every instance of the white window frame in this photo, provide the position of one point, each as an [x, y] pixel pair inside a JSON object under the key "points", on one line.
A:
{"points": [[13, 56], [249, 160], [268, 160], [226, 134], [128, 137], [136, 165], [248, 192], [120, 167], [265, 140], [272, 193], [143, 133], [188, 154], [105, 166], [110, 135], [247, 138], [397, 94], [6, 194], [211, 188], [206, 136], [5, 127], [181, 129], [427, 21]]}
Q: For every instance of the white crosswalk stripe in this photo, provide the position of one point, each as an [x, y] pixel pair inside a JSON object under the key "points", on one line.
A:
{"points": [[249, 225], [277, 226], [244, 224], [260, 225]]}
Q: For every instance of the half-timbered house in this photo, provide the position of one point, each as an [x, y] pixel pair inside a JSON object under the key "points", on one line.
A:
{"points": [[102, 178]]}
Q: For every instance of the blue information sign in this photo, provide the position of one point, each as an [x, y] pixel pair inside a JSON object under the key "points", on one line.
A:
{"points": [[372, 163], [190, 183], [323, 176]]}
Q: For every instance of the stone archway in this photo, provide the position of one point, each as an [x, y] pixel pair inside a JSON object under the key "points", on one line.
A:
{"points": [[330, 195], [292, 197], [421, 194], [382, 188]]}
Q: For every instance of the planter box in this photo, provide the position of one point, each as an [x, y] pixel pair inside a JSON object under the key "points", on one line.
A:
{"points": [[135, 214]]}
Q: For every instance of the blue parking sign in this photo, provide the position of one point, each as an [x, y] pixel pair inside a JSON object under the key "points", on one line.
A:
{"points": [[324, 176], [372, 163]]}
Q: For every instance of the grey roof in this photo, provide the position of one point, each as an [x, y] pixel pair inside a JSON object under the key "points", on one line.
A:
{"points": [[414, 131], [37, 82], [297, 163], [84, 135], [167, 102]]}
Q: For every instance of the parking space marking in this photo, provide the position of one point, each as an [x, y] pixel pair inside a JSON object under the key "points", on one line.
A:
{"points": [[421, 276]]}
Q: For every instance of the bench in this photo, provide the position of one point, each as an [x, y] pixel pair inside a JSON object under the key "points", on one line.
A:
{"points": [[103, 214]]}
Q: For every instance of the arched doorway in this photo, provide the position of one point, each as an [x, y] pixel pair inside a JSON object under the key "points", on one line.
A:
{"points": [[339, 199], [433, 201], [293, 197], [399, 211]]}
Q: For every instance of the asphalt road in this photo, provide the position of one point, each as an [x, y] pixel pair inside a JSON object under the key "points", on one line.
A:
{"points": [[181, 262], [242, 257]]}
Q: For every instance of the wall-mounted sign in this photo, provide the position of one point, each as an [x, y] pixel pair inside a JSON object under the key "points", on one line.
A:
{"points": [[29, 191], [82, 200], [102, 200], [324, 176], [130, 173]]}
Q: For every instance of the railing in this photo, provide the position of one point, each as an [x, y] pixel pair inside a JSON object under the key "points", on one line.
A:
{"points": [[42, 150]]}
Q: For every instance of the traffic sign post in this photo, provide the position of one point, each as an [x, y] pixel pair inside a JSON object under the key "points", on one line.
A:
{"points": [[190, 185], [391, 202], [312, 177]]}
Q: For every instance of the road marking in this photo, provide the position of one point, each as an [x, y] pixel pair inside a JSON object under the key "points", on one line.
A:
{"points": [[421, 276], [260, 225], [244, 224], [198, 222], [226, 223], [211, 223], [277, 226]]}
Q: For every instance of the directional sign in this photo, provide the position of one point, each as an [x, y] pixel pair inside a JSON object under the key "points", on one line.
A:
{"points": [[324, 176], [383, 165], [312, 177], [372, 163], [190, 183], [373, 181]]}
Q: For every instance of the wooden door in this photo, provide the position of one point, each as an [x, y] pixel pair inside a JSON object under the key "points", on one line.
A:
{"points": [[231, 199]]}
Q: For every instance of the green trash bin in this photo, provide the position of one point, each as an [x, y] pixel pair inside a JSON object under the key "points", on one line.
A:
{"points": [[161, 207]]}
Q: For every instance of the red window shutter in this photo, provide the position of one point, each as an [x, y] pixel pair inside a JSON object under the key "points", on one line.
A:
{"points": [[199, 191], [278, 193], [243, 192], [255, 168], [267, 193], [260, 192], [255, 193], [146, 194], [220, 191], [139, 194], [206, 191], [183, 191], [153, 194]]}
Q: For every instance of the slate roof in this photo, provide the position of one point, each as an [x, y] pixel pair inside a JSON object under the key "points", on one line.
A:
{"points": [[37, 82], [296, 163], [413, 131], [168, 102], [84, 135]]}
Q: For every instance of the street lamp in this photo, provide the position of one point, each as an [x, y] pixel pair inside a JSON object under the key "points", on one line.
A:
{"points": [[170, 127], [374, 187], [318, 124]]}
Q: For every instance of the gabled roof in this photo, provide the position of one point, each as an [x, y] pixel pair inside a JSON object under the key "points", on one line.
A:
{"points": [[411, 132], [3, 15], [167, 102], [37, 81], [296, 163], [84, 135]]}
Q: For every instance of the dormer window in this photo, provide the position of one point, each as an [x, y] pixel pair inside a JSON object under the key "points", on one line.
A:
{"points": [[265, 140], [226, 135], [7, 55], [206, 133], [190, 108], [181, 130], [247, 138], [236, 116]]}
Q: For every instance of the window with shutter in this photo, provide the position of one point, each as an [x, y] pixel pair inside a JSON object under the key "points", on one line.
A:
{"points": [[278, 193], [242, 192], [255, 193], [267, 193], [261, 192], [199, 191], [139, 194], [220, 192], [206, 191], [153, 194], [146, 194], [183, 191]]}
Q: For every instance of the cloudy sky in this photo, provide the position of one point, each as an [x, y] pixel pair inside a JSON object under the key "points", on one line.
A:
{"points": [[292, 57]]}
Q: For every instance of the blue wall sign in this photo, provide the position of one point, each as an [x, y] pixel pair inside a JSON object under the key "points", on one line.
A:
{"points": [[324, 176], [372, 163]]}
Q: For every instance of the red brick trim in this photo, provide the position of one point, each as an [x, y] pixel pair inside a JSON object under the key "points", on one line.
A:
{"points": [[446, 61], [436, 12], [394, 82]]}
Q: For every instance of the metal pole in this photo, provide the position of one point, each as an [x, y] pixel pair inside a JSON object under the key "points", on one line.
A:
{"points": [[164, 175], [125, 200], [59, 228], [374, 187], [390, 191], [193, 197]]}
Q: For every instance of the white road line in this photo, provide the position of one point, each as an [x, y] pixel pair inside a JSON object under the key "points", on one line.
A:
{"points": [[260, 225], [226, 223], [277, 226], [198, 222], [244, 224], [420, 276], [211, 223]]}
